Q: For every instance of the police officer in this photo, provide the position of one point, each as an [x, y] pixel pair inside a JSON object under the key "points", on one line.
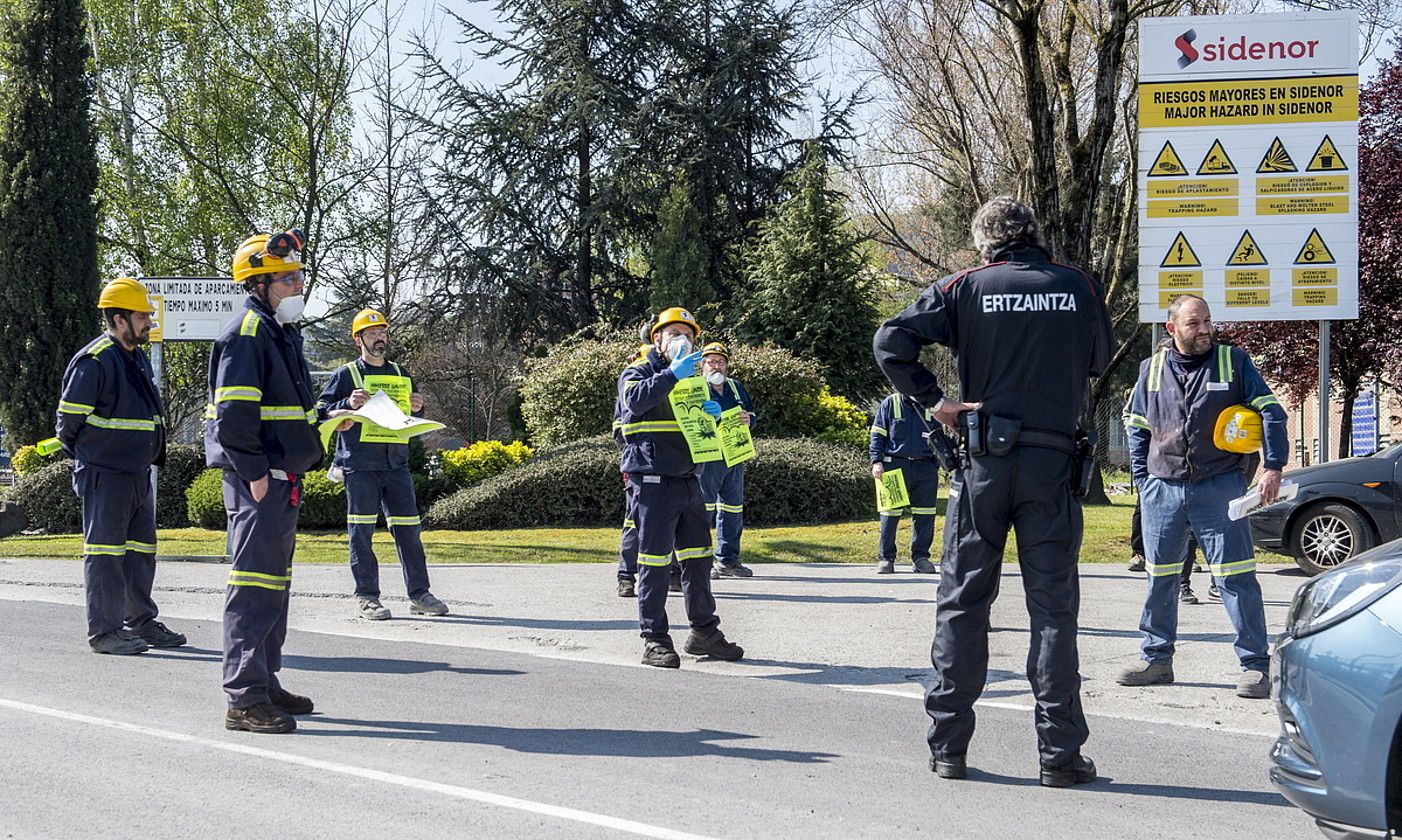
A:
{"points": [[110, 422], [1026, 333], [260, 428], [724, 487], [668, 508], [374, 464], [1189, 464], [900, 441]]}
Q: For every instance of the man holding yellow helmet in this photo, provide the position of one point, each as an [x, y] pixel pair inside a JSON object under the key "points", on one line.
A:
{"points": [[1197, 412], [110, 423], [374, 464]]}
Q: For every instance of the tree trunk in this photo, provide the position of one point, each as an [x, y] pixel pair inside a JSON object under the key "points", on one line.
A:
{"points": [[1346, 423]]}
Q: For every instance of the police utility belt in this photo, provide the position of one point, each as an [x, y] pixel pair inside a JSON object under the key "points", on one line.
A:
{"points": [[988, 434]]}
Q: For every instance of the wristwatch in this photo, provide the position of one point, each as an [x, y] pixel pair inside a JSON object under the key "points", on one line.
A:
{"points": [[936, 407]]}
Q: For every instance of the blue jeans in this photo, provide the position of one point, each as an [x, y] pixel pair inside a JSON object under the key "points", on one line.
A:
{"points": [[723, 488], [1172, 509]]}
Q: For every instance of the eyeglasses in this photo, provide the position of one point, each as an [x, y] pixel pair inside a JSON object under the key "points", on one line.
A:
{"points": [[290, 278]]}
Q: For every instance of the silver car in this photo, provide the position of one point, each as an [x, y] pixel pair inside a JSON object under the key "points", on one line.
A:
{"points": [[1338, 689]]}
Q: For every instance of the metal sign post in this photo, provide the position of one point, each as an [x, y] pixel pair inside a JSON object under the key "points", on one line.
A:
{"points": [[1323, 391]]}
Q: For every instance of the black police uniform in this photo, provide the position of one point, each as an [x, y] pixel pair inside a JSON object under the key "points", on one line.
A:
{"points": [[110, 423], [1027, 333], [260, 422]]}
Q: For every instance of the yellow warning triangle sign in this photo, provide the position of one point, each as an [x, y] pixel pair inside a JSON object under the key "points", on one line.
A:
{"points": [[1314, 251], [1247, 252], [1167, 164], [1180, 254], [1326, 158], [1216, 162], [1277, 159]]}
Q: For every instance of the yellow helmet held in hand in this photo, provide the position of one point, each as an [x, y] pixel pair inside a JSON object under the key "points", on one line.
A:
{"points": [[716, 347], [125, 293], [366, 319], [264, 254], [671, 315], [1238, 430]]}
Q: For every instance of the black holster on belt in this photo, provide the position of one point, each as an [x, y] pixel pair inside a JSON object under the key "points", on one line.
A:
{"points": [[1083, 464], [944, 448], [988, 434]]}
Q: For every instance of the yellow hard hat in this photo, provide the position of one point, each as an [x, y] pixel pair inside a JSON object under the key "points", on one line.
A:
{"points": [[125, 293], [718, 348], [366, 319], [1238, 430], [671, 315], [264, 254]]}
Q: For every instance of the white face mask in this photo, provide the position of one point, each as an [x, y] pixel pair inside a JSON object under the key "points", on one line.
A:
{"points": [[289, 309], [716, 378], [678, 348]]}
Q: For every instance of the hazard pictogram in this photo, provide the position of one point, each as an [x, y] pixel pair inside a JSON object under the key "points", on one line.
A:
{"points": [[1247, 252], [1167, 163], [1216, 162], [1314, 251], [1277, 159], [1180, 254], [1327, 158]]}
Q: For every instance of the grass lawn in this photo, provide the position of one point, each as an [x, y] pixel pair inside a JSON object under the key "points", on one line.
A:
{"points": [[1106, 541]]}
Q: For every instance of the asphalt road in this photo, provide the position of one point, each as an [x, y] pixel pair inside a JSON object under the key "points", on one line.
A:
{"points": [[449, 735]]}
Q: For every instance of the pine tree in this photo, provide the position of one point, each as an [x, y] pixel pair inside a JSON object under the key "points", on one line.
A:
{"points": [[48, 215], [680, 264], [807, 287]]}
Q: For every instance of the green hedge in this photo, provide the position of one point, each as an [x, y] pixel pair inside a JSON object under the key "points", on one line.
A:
{"points": [[791, 481], [184, 463], [48, 499], [204, 500]]}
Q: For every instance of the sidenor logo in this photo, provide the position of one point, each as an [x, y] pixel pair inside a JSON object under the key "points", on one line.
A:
{"points": [[1240, 49], [1184, 43]]}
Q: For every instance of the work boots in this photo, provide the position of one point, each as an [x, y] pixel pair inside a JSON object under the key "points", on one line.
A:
{"points": [[712, 644], [627, 589], [260, 717], [1147, 673], [293, 704], [119, 643], [1078, 771], [157, 635], [659, 654], [923, 567], [427, 604]]}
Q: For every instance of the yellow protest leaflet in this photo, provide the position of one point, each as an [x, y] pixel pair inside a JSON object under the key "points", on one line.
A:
{"points": [[736, 442], [698, 427], [382, 413], [890, 491]]}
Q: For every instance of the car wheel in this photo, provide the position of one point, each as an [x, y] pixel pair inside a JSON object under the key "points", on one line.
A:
{"points": [[1329, 535]]}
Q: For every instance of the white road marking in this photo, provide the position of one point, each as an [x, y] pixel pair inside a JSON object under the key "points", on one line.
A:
{"points": [[455, 791]]}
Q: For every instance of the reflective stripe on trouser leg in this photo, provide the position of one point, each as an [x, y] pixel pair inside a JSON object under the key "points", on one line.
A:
{"points": [[923, 484], [362, 512], [262, 538], [730, 513], [119, 537], [1164, 520], [1226, 546], [628, 540], [671, 516], [402, 513]]}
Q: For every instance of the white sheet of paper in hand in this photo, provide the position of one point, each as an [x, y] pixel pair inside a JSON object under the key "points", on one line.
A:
{"points": [[382, 411]]}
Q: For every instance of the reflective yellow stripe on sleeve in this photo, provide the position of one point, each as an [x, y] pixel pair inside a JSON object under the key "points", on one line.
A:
{"points": [[1261, 402], [1156, 369], [1138, 421], [238, 392], [66, 407], [250, 323], [650, 426]]}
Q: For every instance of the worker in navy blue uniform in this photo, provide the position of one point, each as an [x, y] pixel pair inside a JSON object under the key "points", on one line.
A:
{"points": [[669, 511], [900, 441], [260, 429], [724, 487], [111, 423], [1027, 334], [1188, 467], [374, 464], [628, 540]]}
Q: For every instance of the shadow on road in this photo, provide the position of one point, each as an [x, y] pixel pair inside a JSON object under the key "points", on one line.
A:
{"points": [[527, 623], [815, 599], [376, 665], [1107, 784], [625, 743]]}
